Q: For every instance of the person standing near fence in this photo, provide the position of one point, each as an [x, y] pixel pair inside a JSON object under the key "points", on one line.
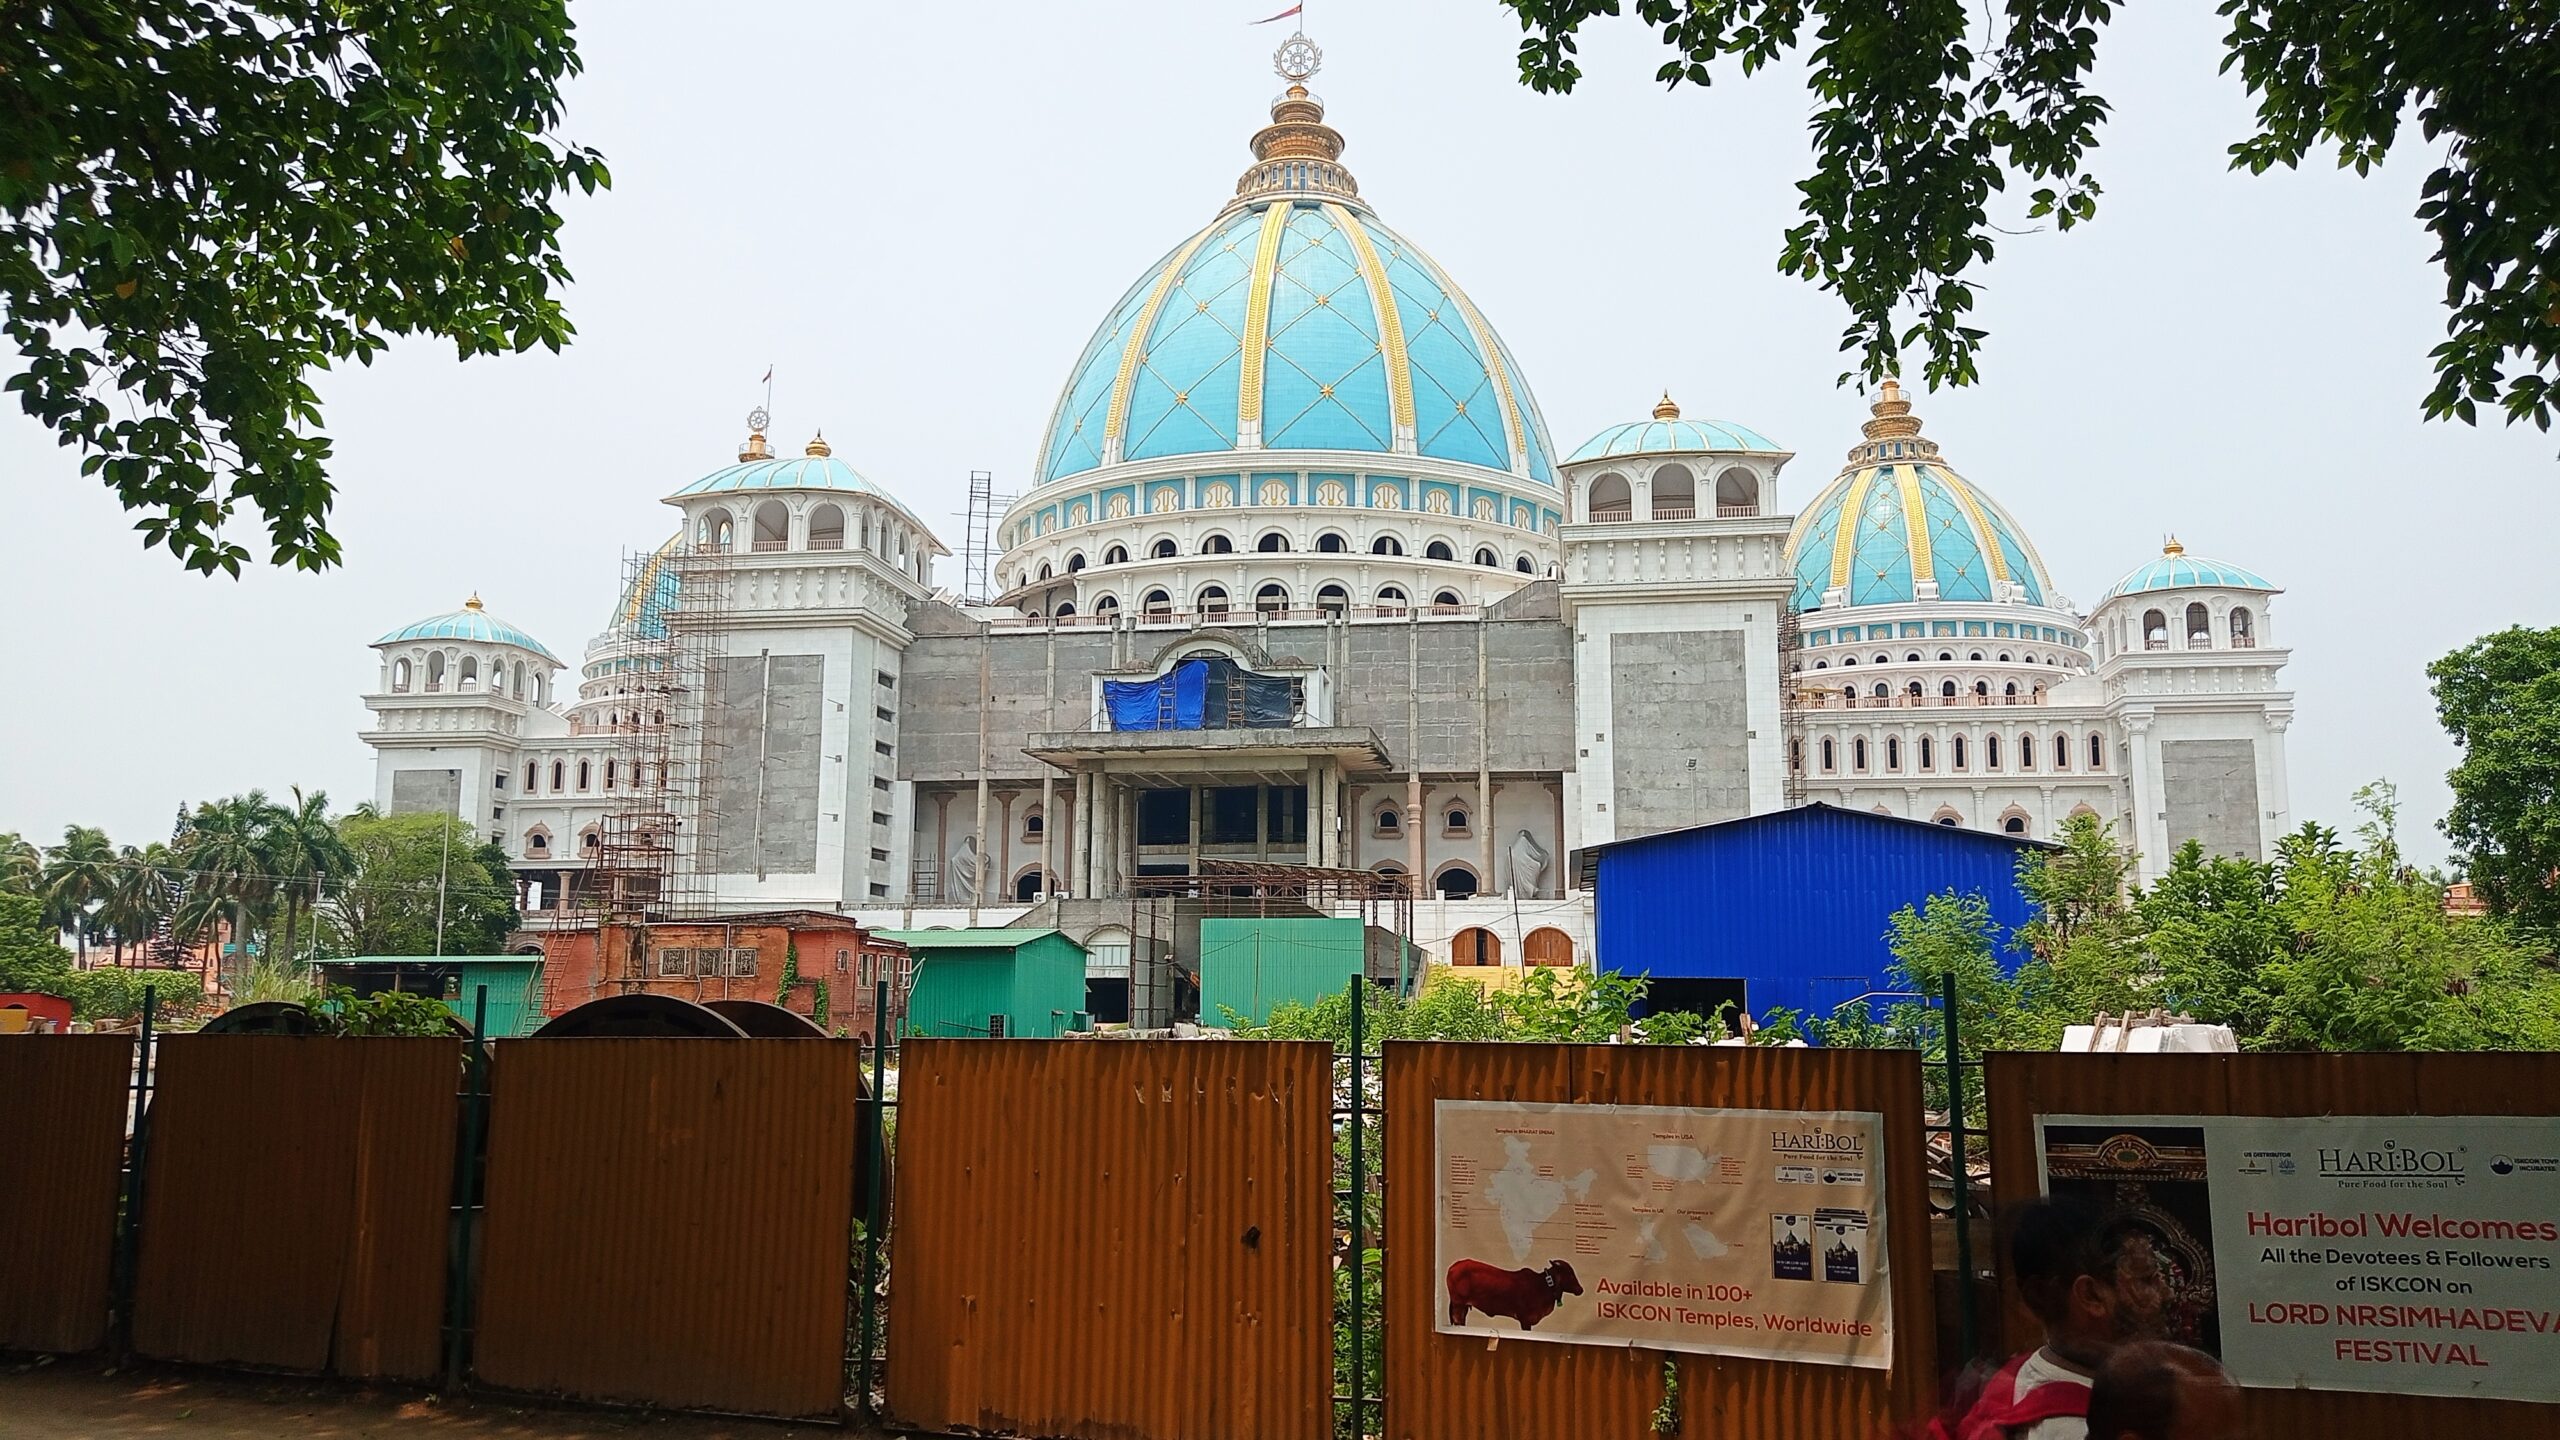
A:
{"points": [[2153, 1390], [2095, 1285]]}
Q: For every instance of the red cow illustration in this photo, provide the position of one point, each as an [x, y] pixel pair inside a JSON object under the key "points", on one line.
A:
{"points": [[1527, 1296]]}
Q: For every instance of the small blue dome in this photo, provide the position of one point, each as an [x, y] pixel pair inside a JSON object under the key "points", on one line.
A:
{"points": [[470, 623], [800, 472], [1296, 325], [1877, 527], [2178, 570], [1666, 433], [650, 593]]}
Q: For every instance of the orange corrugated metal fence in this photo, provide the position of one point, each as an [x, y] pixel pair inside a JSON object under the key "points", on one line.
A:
{"points": [[1114, 1240], [58, 1188], [296, 1198], [2022, 1087], [1444, 1387], [669, 1222]]}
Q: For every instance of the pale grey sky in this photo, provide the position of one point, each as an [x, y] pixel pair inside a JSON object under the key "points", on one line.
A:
{"points": [[918, 213]]}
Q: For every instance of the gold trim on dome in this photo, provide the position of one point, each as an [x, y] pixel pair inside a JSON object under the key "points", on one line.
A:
{"points": [[1491, 349], [1915, 524], [1982, 531], [1844, 542], [1118, 415], [1390, 325], [1257, 315]]}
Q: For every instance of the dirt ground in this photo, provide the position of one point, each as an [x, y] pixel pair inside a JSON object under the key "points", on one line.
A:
{"points": [[68, 1399]]}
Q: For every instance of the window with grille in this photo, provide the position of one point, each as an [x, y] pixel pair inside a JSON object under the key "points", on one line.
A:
{"points": [[743, 961], [673, 961]]}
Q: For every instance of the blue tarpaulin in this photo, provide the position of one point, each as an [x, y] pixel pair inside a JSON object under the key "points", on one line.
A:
{"points": [[1174, 701]]}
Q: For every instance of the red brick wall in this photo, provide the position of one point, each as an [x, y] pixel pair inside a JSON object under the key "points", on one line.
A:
{"points": [[576, 970]]}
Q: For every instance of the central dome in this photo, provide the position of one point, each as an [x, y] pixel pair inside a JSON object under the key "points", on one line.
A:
{"points": [[1296, 321]]}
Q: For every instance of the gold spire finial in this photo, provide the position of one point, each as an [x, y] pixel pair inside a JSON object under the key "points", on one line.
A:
{"points": [[2172, 547], [819, 446], [1666, 408], [1297, 153], [473, 603], [1893, 418]]}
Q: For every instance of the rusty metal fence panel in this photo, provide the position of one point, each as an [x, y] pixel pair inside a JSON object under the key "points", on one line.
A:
{"points": [[58, 1189], [296, 1201], [2022, 1087], [1443, 1387], [1112, 1240], [669, 1222]]}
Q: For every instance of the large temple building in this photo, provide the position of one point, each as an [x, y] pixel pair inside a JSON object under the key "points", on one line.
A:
{"points": [[1301, 578]]}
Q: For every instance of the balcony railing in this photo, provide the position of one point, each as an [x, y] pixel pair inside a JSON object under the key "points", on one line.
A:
{"points": [[1736, 512], [1821, 700], [767, 547], [1603, 514], [1675, 512]]}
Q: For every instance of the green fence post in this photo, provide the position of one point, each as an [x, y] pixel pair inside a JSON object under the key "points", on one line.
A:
{"points": [[1958, 1176]]}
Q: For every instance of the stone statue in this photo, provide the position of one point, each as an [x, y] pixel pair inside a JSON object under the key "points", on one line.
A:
{"points": [[960, 882], [1528, 860]]}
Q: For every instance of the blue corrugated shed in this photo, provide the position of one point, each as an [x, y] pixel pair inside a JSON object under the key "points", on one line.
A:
{"points": [[1793, 904]]}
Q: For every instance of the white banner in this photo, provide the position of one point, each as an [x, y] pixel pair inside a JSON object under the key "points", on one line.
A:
{"points": [[1729, 1232], [2410, 1255]]}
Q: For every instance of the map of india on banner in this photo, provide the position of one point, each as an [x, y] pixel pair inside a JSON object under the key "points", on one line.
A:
{"points": [[2405, 1254], [1730, 1232]]}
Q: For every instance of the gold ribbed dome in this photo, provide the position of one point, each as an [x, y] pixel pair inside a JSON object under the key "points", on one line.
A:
{"points": [[1666, 408], [818, 445]]}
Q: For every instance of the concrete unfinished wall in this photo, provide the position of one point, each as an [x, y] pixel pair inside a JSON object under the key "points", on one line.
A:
{"points": [[426, 792], [2211, 793], [763, 790], [1678, 714]]}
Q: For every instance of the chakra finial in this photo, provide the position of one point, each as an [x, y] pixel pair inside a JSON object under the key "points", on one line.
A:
{"points": [[1297, 153], [755, 448], [1666, 408], [1298, 59]]}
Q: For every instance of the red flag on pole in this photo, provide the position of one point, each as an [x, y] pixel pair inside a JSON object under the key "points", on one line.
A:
{"points": [[1283, 15]]}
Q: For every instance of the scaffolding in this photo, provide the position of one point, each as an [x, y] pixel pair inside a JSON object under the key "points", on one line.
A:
{"points": [[1250, 889], [656, 851], [1790, 705], [979, 549]]}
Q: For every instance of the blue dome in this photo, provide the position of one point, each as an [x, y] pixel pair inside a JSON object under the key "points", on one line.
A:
{"points": [[1296, 324], [1669, 434], [1877, 528], [650, 593], [2178, 570], [470, 623], [800, 472]]}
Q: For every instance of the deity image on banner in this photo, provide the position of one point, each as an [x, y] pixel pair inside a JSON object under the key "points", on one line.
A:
{"points": [[2155, 1175]]}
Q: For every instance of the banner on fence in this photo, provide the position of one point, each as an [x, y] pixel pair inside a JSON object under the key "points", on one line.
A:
{"points": [[1729, 1232], [2415, 1255]]}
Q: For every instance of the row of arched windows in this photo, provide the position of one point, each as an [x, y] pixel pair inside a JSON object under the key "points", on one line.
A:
{"points": [[1275, 543], [436, 672], [769, 530], [1945, 656], [1545, 945], [2240, 626], [1674, 494], [1272, 598], [614, 772], [1962, 752]]}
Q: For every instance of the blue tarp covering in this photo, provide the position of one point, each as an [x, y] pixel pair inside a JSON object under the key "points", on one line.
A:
{"points": [[1175, 701]]}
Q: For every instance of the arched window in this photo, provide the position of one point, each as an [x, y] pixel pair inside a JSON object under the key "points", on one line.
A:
{"points": [[1217, 545], [2026, 752], [1612, 498], [2013, 825], [2097, 751], [1547, 945], [1737, 492], [1333, 599], [1331, 543], [1027, 885], [435, 670], [1438, 550], [1446, 600], [612, 773], [2199, 627], [1455, 882], [1892, 752], [1858, 753], [1475, 945], [1065, 608], [1848, 660], [1928, 753], [1525, 565], [1486, 558], [537, 841], [1675, 493], [1946, 689], [1391, 598], [2010, 690], [559, 775], [1956, 752], [2155, 630], [1212, 601], [2061, 752], [1990, 752], [400, 675], [1116, 555], [1075, 563], [589, 842], [1455, 822], [1982, 689], [1106, 604], [519, 690], [1271, 599], [1830, 754], [1386, 545], [586, 774], [1947, 817], [773, 526], [1162, 550], [826, 526], [1273, 543], [1977, 654], [1882, 690], [716, 532], [531, 771], [1912, 689], [2243, 636], [1157, 605], [1389, 820], [1046, 573]]}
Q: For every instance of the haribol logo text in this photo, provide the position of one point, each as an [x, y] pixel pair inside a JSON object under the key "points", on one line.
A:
{"points": [[1815, 1142], [2393, 1158]]}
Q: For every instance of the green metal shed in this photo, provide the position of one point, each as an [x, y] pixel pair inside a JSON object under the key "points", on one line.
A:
{"points": [[1249, 966], [1032, 979], [514, 982]]}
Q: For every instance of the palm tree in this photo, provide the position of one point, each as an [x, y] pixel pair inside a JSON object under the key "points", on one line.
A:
{"points": [[78, 874], [227, 847], [306, 857], [21, 865], [142, 893]]}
